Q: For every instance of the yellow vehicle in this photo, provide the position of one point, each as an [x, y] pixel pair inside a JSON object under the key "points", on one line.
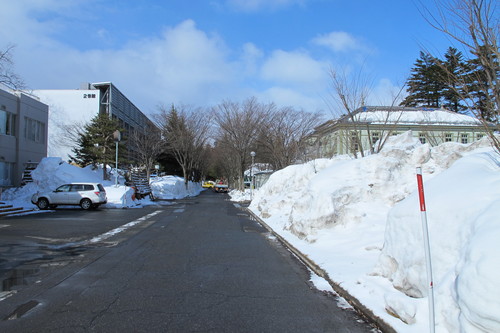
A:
{"points": [[208, 184]]}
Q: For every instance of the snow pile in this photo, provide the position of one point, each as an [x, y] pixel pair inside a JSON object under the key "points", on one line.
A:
{"points": [[52, 172], [173, 187], [463, 203], [241, 196], [359, 219]]}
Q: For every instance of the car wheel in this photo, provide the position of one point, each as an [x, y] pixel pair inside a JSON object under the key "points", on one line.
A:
{"points": [[86, 204], [43, 203]]}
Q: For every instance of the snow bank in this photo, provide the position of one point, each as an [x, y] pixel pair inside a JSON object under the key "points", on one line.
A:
{"points": [[463, 206], [241, 196], [52, 172], [173, 187], [360, 220]]}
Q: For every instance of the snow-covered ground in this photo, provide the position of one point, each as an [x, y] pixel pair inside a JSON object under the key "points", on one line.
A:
{"points": [[53, 172], [360, 220]]}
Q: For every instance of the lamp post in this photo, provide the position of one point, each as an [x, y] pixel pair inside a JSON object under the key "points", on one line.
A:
{"points": [[117, 137], [251, 175]]}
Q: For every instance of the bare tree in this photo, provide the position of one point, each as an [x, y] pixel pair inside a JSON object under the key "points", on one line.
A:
{"points": [[350, 92], [185, 133], [7, 75], [147, 146], [474, 24], [239, 126], [283, 139]]}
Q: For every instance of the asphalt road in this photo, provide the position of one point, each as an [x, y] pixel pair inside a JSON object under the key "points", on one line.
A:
{"points": [[199, 265]]}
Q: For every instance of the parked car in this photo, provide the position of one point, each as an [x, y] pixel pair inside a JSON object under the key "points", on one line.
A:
{"points": [[86, 195], [221, 187], [208, 184]]}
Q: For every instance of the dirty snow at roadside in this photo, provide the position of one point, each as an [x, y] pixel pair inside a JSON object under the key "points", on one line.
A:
{"points": [[359, 219], [53, 172]]}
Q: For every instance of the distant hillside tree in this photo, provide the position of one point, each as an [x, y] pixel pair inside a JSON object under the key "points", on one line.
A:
{"points": [[96, 145], [239, 125], [147, 147], [283, 139], [184, 135]]}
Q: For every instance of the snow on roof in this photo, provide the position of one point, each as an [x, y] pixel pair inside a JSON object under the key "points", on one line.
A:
{"points": [[410, 116]]}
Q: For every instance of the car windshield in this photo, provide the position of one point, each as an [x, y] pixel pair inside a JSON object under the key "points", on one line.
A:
{"points": [[101, 188]]}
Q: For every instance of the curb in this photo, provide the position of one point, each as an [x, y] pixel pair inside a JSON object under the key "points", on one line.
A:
{"points": [[353, 301]]}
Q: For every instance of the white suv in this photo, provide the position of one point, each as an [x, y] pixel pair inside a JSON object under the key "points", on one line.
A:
{"points": [[87, 195]]}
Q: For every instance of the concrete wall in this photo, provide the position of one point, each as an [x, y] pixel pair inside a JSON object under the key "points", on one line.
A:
{"points": [[28, 142]]}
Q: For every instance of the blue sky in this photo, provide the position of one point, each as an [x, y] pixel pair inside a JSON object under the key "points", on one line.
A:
{"points": [[203, 52]]}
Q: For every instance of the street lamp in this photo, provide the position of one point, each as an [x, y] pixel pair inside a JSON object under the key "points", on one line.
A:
{"points": [[117, 137], [251, 174]]}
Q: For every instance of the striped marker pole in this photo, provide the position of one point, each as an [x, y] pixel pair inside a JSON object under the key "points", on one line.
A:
{"points": [[423, 214]]}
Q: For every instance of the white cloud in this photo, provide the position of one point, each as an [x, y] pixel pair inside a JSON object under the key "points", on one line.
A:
{"points": [[294, 68], [257, 5], [183, 64], [250, 58], [386, 92], [339, 41], [293, 97]]}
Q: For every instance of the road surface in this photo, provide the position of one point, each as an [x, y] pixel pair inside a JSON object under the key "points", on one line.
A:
{"points": [[199, 265]]}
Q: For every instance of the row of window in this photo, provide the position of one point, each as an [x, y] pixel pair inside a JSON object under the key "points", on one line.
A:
{"points": [[375, 136], [34, 130], [448, 137]]}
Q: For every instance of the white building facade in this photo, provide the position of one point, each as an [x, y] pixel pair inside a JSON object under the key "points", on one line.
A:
{"points": [[76, 107], [367, 127]]}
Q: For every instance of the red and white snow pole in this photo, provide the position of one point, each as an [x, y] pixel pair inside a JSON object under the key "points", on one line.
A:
{"points": [[427, 248]]}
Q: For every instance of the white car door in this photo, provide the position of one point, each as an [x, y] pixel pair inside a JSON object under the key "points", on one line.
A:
{"points": [[74, 195], [60, 195]]}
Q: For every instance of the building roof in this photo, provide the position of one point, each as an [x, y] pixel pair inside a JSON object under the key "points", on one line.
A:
{"points": [[408, 116], [398, 115]]}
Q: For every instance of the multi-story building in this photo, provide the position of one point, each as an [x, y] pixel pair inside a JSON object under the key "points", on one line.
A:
{"points": [[70, 109], [23, 134], [367, 127]]}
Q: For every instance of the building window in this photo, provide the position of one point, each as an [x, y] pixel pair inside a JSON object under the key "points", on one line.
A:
{"points": [[7, 123], [464, 137], [6, 170], [34, 130], [354, 142], [375, 137], [421, 137], [479, 136], [447, 137]]}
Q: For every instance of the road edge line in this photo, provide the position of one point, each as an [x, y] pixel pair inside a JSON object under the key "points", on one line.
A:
{"points": [[353, 301]]}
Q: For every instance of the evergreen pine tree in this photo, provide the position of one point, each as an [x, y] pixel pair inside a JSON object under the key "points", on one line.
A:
{"points": [[425, 84], [453, 80], [479, 87], [96, 144]]}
